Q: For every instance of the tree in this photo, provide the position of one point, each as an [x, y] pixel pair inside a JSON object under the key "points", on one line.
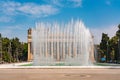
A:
{"points": [[25, 52], [6, 56], [118, 35], [13, 50], [110, 48], [118, 32], [0, 48], [104, 46], [113, 48], [16, 49]]}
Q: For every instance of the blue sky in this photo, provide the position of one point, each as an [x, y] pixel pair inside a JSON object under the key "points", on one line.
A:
{"points": [[17, 16]]}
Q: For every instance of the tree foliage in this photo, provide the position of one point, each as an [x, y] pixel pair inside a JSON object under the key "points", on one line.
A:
{"points": [[13, 50], [110, 47]]}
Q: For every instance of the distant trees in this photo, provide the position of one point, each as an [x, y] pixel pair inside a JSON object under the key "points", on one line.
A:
{"points": [[5, 50], [109, 49], [13, 50]]}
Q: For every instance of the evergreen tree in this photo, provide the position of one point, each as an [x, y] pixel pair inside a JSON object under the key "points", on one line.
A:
{"points": [[104, 46], [13, 50], [118, 52], [113, 48]]}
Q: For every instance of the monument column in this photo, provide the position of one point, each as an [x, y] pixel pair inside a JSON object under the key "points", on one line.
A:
{"points": [[28, 51], [92, 58], [30, 56]]}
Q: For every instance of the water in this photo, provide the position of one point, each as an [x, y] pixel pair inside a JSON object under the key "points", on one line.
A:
{"points": [[70, 44]]}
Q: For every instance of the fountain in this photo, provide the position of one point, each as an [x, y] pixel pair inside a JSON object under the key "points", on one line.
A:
{"points": [[68, 44]]}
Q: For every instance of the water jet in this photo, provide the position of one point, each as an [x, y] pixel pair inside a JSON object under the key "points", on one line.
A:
{"points": [[70, 43]]}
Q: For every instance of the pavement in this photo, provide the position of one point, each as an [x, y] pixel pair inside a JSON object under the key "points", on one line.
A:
{"points": [[17, 72], [59, 74]]}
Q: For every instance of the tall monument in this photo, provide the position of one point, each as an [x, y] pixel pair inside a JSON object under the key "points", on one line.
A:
{"points": [[30, 54]]}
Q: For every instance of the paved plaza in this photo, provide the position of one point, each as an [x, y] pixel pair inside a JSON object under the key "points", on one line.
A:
{"points": [[59, 74], [17, 72]]}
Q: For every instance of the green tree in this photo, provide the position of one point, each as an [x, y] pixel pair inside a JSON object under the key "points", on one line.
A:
{"points": [[16, 49], [25, 52], [110, 48], [6, 55], [104, 46], [118, 32], [113, 48], [118, 35], [5, 44], [13, 50]]}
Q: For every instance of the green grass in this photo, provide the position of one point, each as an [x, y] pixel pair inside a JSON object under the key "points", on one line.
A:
{"points": [[57, 64], [60, 64], [63, 64], [27, 65], [106, 64]]}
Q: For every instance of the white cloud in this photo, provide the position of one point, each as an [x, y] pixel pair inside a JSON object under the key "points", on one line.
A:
{"points": [[50, 7], [38, 10], [55, 2], [14, 31], [65, 3], [9, 7], [6, 32], [97, 32], [76, 3], [32, 9], [6, 19]]}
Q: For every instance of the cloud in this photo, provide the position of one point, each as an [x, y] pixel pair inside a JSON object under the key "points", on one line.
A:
{"points": [[32, 9], [9, 7], [55, 2], [6, 32], [108, 2], [50, 7], [5, 19], [97, 32], [65, 3], [14, 31], [37, 10], [76, 3]]}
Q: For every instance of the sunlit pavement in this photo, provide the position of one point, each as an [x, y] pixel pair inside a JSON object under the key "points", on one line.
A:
{"points": [[59, 74], [16, 72]]}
